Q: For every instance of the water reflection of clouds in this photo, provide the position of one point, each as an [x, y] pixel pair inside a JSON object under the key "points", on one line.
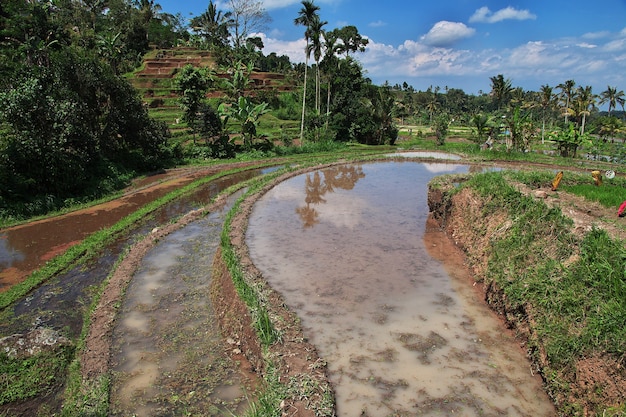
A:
{"points": [[345, 210], [439, 167], [8, 254]]}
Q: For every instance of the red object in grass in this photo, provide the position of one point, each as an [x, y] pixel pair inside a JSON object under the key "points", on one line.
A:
{"points": [[621, 212]]}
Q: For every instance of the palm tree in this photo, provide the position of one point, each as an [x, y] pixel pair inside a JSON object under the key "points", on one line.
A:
{"points": [[330, 49], [546, 101], [433, 103], [213, 25], [305, 18], [316, 47], [482, 123], [501, 90], [613, 97], [110, 48], [567, 92], [584, 102]]}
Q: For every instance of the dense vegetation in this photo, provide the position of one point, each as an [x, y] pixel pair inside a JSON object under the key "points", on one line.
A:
{"points": [[73, 129]]}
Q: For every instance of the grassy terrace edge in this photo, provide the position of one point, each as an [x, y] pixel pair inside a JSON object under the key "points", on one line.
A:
{"points": [[562, 293]]}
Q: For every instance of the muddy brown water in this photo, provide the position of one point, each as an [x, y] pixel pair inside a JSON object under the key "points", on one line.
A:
{"points": [[61, 302], [349, 250], [27, 247], [168, 357]]}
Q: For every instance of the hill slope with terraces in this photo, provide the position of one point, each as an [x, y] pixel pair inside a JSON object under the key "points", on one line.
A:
{"points": [[155, 79]]}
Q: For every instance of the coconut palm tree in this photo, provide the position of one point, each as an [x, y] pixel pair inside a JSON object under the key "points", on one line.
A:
{"points": [[613, 97], [567, 92], [305, 18], [584, 102], [546, 101], [501, 90], [213, 25], [329, 60], [316, 48]]}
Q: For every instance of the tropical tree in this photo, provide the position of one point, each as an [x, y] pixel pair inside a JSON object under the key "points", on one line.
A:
{"points": [[193, 84], [521, 130], [433, 102], [306, 17], [351, 40], [546, 102], [316, 47], [247, 114], [441, 127], [608, 127], [483, 125], [380, 105], [329, 63], [584, 102], [110, 49], [567, 92], [613, 97], [235, 86], [213, 25], [501, 90]]}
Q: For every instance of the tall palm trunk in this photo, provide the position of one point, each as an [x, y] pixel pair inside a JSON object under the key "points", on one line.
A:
{"points": [[306, 65]]}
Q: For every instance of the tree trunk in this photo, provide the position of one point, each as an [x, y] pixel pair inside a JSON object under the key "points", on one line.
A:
{"points": [[306, 65]]}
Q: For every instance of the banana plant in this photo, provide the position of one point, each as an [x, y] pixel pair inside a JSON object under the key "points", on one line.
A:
{"points": [[247, 114]]}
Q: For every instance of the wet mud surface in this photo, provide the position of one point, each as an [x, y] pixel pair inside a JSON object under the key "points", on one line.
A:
{"points": [[27, 247], [168, 356], [349, 249], [409, 332]]}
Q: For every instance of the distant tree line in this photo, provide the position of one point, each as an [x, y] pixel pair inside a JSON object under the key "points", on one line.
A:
{"points": [[566, 113]]}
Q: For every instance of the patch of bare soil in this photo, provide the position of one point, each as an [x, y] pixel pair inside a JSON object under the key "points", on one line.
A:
{"points": [[600, 379]]}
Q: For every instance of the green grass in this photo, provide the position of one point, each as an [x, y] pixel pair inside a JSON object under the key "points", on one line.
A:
{"points": [[608, 195], [571, 290], [21, 379]]}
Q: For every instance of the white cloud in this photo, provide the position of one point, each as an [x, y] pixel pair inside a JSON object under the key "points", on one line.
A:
{"points": [[484, 15], [377, 24], [279, 4], [617, 45], [446, 33], [293, 49], [528, 65], [596, 35]]}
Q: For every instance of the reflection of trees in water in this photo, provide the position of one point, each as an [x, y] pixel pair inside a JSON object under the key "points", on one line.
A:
{"points": [[343, 177]]}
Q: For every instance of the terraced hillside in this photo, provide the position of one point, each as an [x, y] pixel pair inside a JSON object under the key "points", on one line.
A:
{"points": [[155, 80]]}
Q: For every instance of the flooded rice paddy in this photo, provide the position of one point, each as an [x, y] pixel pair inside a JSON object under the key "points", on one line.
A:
{"points": [[27, 247], [168, 356], [349, 249]]}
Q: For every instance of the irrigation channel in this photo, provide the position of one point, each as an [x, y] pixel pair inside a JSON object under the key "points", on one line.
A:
{"points": [[378, 289], [61, 303], [381, 294]]}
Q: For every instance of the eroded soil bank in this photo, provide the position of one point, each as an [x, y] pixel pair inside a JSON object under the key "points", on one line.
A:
{"points": [[593, 381]]}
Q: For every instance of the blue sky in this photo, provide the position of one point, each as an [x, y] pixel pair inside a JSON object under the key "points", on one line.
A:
{"points": [[462, 43]]}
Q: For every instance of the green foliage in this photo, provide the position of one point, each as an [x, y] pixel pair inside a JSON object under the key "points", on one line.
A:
{"points": [[22, 379], [247, 115], [568, 140], [571, 289], [441, 126], [70, 117], [193, 84]]}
